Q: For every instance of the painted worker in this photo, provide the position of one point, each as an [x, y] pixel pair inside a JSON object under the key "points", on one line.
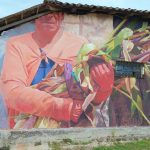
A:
{"points": [[29, 57]]}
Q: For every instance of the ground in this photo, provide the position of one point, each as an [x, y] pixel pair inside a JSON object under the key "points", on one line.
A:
{"points": [[138, 145]]}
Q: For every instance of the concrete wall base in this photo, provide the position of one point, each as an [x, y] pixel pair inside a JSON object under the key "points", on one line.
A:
{"points": [[71, 138]]}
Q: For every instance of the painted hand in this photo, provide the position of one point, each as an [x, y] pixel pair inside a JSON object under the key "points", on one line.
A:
{"points": [[102, 76], [76, 110]]}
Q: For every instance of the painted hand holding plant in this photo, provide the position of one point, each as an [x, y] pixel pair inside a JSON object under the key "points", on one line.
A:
{"points": [[123, 46]]}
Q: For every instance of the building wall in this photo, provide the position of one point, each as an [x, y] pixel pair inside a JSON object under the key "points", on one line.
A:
{"points": [[122, 101]]}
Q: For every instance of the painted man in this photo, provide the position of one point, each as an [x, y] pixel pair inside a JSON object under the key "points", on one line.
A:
{"points": [[28, 60]]}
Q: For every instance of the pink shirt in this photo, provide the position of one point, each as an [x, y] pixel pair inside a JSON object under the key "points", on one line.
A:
{"points": [[21, 62]]}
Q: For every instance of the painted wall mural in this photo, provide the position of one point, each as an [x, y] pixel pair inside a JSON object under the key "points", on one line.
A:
{"points": [[60, 72]]}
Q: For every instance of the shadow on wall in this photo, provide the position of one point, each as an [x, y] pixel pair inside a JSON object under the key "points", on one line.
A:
{"points": [[3, 115]]}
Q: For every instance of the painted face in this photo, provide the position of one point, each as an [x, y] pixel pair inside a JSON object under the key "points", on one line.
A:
{"points": [[50, 22]]}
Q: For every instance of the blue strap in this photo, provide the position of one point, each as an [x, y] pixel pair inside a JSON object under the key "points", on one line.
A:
{"points": [[43, 70]]}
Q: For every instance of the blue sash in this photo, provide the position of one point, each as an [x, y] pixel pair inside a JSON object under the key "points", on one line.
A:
{"points": [[42, 71]]}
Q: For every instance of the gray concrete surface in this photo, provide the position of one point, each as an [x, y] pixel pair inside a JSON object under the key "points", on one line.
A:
{"points": [[71, 138]]}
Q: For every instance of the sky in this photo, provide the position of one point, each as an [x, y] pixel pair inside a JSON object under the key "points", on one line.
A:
{"points": [[8, 7]]}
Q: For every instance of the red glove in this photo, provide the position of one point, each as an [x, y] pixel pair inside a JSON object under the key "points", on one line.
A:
{"points": [[102, 75], [76, 110]]}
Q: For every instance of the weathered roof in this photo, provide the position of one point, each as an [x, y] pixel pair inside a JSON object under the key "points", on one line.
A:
{"points": [[23, 16], [140, 5], [54, 5], [95, 7]]}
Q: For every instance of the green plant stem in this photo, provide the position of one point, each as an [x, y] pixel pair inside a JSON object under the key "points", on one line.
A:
{"points": [[138, 108], [118, 27]]}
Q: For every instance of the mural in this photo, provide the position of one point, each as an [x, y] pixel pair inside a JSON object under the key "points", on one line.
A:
{"points": [[61, 74]]}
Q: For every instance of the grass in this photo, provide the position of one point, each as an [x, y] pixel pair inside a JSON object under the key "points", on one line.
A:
{"points": [[54, 146], [138, 145], [4, 148]]}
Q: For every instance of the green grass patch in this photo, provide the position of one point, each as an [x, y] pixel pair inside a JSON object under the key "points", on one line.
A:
{"points": [[54, 146], [138, 145], [5, 148]]}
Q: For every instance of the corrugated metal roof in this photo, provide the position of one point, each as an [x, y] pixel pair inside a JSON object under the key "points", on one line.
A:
{"points": [[92, 6], [140, 5], [23, 16]]}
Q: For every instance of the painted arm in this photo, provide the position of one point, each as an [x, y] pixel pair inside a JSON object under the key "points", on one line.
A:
{"points": [[23, 98]]}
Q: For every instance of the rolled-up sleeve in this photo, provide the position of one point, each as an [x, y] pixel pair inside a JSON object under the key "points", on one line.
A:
{"points": [[23, 98]]}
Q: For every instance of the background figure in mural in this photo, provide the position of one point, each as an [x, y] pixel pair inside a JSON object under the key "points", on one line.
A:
{"points": [[33, 70]]}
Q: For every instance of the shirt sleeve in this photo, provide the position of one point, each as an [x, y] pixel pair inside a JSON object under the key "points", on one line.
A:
{"points": [[23, 98]]}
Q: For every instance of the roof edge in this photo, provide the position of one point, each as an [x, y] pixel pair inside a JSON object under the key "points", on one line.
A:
{"points": [[55, 6]]}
